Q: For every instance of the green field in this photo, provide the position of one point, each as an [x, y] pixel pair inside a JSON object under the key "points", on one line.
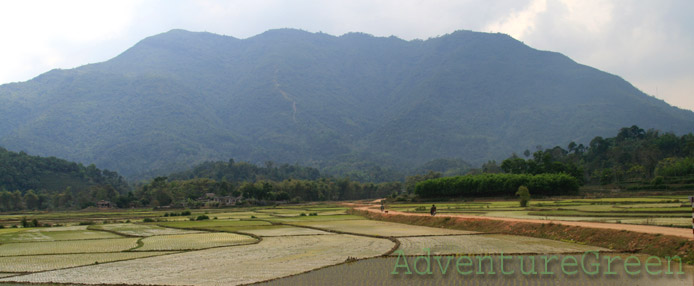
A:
{"points": [[192, 241], [52, 234], [130, 229]]}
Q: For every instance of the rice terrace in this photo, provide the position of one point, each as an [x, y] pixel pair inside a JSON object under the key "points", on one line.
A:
{"points": [[313, 244]]}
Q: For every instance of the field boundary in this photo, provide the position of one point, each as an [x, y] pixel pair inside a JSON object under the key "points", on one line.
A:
{"points": [[618, 240]]}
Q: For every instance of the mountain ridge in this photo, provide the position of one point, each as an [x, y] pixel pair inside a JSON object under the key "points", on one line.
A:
{"points": [[339, 103]]}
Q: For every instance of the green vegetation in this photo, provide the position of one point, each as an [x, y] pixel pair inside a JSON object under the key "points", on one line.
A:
{"points": [[192, 241], [524, 195], [350, 104], [492, 185], [634, 159], [39, 183]]}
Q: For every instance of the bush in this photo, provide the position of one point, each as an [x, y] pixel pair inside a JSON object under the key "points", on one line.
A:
{"points": [[302, 214], [185, 213], [148, 220], [86, 223], [524, 195], [202, 217], [313, 214]]}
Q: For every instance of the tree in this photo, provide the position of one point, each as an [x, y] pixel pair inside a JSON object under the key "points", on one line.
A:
{"points": [[524, 195], [31, 200]]}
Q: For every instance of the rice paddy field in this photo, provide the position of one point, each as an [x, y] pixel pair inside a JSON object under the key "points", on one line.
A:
{"points": [[297, 245], [675, 211]]}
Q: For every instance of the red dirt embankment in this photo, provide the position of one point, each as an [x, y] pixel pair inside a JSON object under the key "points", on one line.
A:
{"points": [[653, 240]]}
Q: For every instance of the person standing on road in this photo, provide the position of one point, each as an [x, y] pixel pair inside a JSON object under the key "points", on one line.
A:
{"points": [[433, 210], [383, 206]]}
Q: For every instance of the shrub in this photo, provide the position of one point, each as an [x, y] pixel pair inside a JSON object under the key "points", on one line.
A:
{"points": [[302, 214], [313, 214], [86, 223], [148, 220], [202, 217], [524, 195], [185, 213]]}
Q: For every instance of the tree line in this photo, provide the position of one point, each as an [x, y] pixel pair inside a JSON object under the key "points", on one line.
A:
{"points": [[633, 154], [497, 185]]}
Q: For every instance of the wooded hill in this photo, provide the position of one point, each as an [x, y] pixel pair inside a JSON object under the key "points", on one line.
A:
{"points": [[369, 107], [33, 182]]}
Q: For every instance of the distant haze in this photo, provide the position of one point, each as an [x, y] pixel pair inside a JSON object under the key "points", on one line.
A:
{"points": [[648, 43]]}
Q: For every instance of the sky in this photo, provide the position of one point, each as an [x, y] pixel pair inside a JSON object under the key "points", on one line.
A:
{"points": [[648, 43]]}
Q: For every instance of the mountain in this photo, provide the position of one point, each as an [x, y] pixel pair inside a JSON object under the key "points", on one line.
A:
{"points": [[353, 102]]}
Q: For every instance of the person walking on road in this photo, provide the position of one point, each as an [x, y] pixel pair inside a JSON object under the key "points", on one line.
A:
{"points": [[433, 210]]}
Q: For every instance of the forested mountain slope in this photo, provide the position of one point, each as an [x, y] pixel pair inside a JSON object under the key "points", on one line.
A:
{"points": [[339, 104]]}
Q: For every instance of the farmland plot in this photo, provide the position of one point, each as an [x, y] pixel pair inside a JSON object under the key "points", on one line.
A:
{"points": [[380, 228], [315, 218], [52, 262], [488, 244], [283, 230], [142, 229], [273, 257], [193, 241], [65, 247], [377, 271], [212, 223], [54, 234]]}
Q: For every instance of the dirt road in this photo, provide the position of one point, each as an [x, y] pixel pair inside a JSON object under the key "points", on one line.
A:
{"points": [[681, 232]]}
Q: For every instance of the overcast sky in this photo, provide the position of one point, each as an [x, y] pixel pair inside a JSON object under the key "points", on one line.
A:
{"points": [[648, 43]]}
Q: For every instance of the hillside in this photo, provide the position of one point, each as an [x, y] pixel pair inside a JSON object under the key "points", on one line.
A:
{"points": [[35, 182], [353, 103]]}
